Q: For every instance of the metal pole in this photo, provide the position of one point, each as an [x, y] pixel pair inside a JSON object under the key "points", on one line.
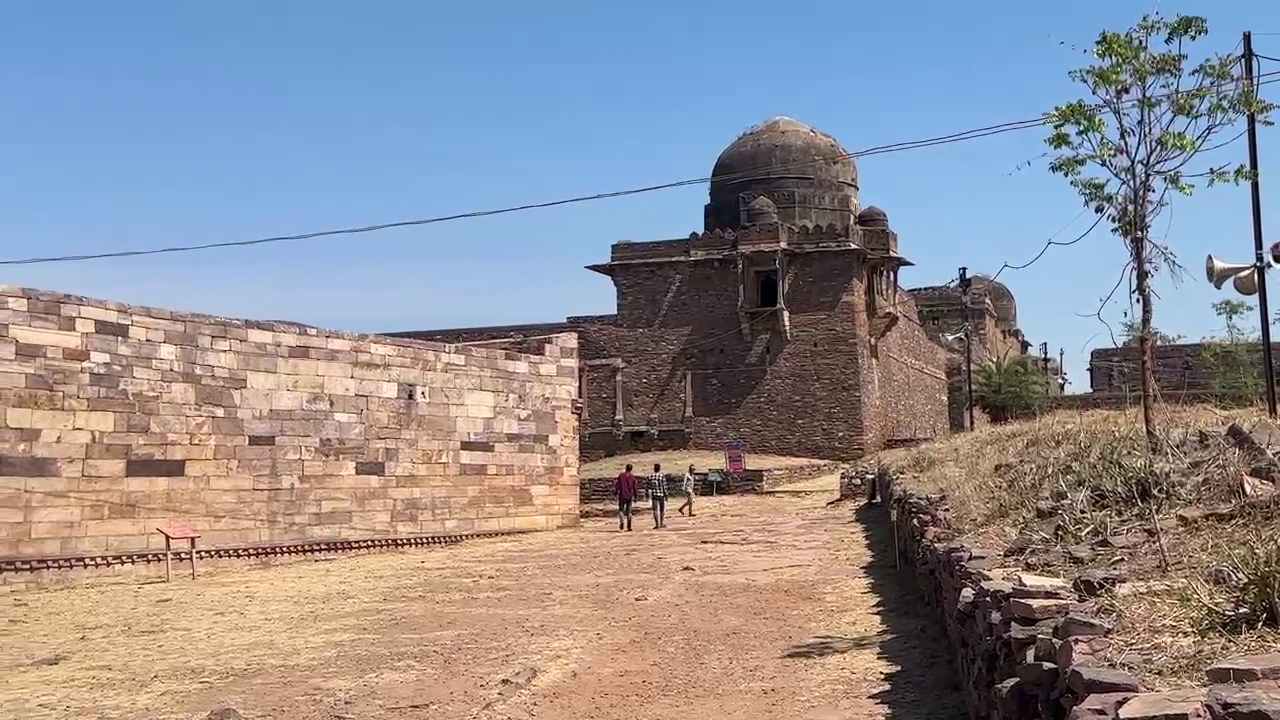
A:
{"points": [[968, 343], [1264, 313]]}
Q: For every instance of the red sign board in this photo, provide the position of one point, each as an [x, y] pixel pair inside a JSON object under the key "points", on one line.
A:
{"points": [[735, 457]]}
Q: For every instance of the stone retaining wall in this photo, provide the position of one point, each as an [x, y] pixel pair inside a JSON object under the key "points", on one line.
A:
{"points": [[1024, 644], [116, 419], [600, 489]]}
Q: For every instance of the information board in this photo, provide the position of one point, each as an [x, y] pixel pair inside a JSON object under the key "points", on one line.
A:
{"points": [[735, 457]]}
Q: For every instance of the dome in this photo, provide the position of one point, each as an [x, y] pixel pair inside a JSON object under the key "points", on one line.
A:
{"points": [[873, 217], [1001, 299], [807, 175]]}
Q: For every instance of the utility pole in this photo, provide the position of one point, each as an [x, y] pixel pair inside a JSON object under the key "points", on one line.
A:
{"points": [[965, 284], [1264, 313]]}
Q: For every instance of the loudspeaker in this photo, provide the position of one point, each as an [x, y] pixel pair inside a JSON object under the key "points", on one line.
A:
{"points": [[1246, 283], [1219, 273]]}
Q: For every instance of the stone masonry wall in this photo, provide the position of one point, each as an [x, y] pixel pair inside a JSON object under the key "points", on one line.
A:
{"points": [[909, 384], [1183, 367], [690, 378], [1024, 644], [117, 419]]}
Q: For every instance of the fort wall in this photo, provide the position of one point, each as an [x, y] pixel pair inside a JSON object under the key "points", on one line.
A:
{"points": [[1181, 367], [118, 419]]}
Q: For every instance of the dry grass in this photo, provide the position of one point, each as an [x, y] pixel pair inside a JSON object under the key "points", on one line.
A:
{"points": [[678, 460], [1051, 491]]}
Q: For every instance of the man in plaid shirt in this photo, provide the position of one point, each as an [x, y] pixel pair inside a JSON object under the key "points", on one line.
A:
{"points": [[658, 496]]}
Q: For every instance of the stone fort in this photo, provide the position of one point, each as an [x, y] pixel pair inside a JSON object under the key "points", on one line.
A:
{"points": [[782, 324]]}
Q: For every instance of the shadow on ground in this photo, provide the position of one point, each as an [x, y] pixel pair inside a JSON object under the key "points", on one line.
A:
{"points": [[825, 645], [925, 687]]}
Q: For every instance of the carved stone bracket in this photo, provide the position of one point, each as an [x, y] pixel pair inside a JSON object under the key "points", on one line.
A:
{"points": [[881, 323]]}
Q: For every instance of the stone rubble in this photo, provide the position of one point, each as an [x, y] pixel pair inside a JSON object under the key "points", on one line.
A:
{"points": [[1026, 645]]}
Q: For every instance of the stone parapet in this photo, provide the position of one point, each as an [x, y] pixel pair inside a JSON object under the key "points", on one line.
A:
{"points": [[1025, 645]]}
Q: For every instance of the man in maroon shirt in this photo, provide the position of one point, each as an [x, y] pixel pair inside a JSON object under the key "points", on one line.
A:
{"points": [[625, 487]]}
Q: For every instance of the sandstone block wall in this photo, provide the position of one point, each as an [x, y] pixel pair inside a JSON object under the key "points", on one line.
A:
{"points": [[906, 384], [1182, 367], [116, 419], [1024, 645]]}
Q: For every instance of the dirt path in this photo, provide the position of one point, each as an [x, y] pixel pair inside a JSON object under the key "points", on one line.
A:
{"points": [[760, 607]]}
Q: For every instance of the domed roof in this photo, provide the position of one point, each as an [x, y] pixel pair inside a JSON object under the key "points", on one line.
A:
{"points": [[1001, 299], [873, 217], [806, 173]]}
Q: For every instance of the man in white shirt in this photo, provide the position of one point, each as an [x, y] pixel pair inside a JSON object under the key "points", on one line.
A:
{"points": [[687, 488]]}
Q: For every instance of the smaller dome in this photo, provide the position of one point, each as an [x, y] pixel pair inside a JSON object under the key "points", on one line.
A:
{"points": [[761, 211], [873, 217]]}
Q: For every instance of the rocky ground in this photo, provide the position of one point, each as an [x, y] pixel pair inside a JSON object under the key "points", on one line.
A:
{"points": [[1186, 537], [777, 606]]}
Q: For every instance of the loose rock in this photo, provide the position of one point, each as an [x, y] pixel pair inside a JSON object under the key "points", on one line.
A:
{"points": [[1245, 669], [1093, 583], [1187, 704], [1026, 585], [1086, 680], [1099, 706], [1078, 625], [1038, 609], [1250, 701], [1038, 674]]}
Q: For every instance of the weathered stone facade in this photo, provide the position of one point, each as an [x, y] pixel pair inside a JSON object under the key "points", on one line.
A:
{"points": [[990, 309], [1179, 368], [781, 325], [118, 419]]}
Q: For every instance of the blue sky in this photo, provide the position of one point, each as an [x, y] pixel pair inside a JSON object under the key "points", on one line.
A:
{"points": [[142, 124]]}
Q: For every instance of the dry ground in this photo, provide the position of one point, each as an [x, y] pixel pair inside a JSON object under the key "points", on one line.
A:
{"points": [[761, 607], [1091, 466], [678, 460]]}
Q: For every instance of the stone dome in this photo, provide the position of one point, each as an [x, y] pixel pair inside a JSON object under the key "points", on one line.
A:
{"points": [[1001, 299], [805, 173], [873, 217]]}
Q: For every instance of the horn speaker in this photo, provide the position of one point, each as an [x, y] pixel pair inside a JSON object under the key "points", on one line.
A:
{"points": [[1219, 273]]}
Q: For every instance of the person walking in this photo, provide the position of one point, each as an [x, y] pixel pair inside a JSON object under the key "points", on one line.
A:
{"points": [[658, 496], [625, 488], [687, 488]]}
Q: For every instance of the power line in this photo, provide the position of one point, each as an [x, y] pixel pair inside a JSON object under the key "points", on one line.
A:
{"points": [[1051, 242], [974, 134], [894, 147]]}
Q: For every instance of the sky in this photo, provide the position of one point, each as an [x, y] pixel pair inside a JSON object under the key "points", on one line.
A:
{"points": [[146, 124]]}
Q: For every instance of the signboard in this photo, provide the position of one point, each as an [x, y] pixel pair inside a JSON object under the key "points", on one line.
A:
{"points": [[735, 457], [717, 479]]}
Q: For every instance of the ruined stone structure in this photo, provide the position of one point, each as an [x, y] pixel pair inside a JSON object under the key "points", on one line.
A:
{"points": [[1180, 369], [782, 324], [991, 310], [119, 419]]}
